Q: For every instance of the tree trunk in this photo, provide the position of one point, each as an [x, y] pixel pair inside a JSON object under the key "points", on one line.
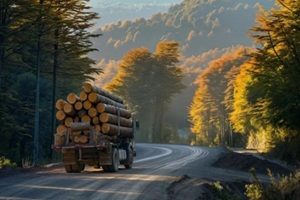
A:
{"points": [[60, 104], [60, 115], [97, 98], [113, 130], [101, 108], [72, 98], [89, 88], [113, 119]]}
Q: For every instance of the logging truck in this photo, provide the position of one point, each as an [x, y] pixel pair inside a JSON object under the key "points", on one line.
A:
{"points": [[96, 130]]}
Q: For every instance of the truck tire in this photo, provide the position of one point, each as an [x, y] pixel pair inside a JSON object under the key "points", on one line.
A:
{"points": [[114, 167], [76, 168], [68, 168], [130, 161]]}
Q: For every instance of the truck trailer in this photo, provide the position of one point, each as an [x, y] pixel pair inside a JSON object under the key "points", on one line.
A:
{"points": [[95, 129]]}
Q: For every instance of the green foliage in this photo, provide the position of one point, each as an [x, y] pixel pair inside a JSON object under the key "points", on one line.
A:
{"points": [[6, 162], [61, 30], [266, 98], [286, 188]]}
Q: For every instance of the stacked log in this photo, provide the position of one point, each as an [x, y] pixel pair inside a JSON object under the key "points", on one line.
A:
{"points": [[98, 108]]}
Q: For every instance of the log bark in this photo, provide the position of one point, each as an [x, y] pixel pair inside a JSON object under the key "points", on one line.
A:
{"points": [[72, 98], [101, 107], [78, 105], [97, 98], [88, 88], [92, 112], [113, 119], [112, 130], [87, 104], [69, 109], [80, 126], [83, 96], [60, 103], [60, 115]]}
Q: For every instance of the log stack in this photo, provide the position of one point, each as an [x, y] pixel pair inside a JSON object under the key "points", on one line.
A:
{"points": [[97, 107]]}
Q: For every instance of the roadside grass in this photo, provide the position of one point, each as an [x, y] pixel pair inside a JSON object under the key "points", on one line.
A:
{"points": [[286, 188]]}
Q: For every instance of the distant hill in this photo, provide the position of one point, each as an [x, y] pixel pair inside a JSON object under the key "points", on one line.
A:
{"points": [[199, 25], [114, 10], [206, 29]]}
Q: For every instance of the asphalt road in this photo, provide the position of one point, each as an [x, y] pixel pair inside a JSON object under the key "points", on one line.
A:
{"points": [[158, 170]]}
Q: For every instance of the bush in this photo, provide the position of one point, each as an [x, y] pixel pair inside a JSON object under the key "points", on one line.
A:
{"points": [[6, 162], [286, 188]]}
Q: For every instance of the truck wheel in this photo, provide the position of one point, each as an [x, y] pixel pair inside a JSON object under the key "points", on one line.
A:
{"points": [[114, 167], [130, 161], [68, 168], [78, 167]]}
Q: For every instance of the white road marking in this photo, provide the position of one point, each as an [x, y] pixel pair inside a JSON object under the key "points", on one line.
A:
{"points": [[165, 153]]}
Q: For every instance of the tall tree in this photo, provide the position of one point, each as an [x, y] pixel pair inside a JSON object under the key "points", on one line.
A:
{"points": [[147, 82], [270, 88], [61, 23], [209, 111]]}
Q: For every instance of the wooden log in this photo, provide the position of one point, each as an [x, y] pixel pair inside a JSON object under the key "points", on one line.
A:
{"points": [[92, 112], [112, 130], [113, 119], [97, 127], [86, 119], [72, 98], [88, 88], [61, 128], [76, 119], [68, 121], [59, 105], [59, 139], [97, 98], [83, 96], [78, 105], [60, 115], [95, 120], [73, 133], [69, 109], [80, 139], [81, 113], [101, 107], [87, 104], [80, 126]]}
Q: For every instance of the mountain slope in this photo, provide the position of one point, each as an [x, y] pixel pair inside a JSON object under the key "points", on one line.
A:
{"points": [[197, 24]]}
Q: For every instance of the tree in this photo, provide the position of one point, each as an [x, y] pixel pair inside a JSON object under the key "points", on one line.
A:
{"points": [[209, 110], [62, 30], [267, 90], [147, 82]]}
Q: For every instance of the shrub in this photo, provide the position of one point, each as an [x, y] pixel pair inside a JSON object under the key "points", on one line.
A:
{"points": [[286, 188]]}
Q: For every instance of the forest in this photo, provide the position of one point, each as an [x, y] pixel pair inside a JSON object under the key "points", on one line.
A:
{"points": [[43, 48], [194, 75]]}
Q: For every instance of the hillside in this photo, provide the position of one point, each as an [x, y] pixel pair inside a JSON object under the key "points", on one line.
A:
{"points": [[205, 30], [112, 11], [197, 24]]}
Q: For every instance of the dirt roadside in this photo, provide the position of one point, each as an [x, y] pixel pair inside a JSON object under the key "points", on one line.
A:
{"points": [[206, 189]]}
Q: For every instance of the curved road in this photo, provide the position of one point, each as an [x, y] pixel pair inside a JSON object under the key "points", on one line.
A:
{"points": [[157, 168]]}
